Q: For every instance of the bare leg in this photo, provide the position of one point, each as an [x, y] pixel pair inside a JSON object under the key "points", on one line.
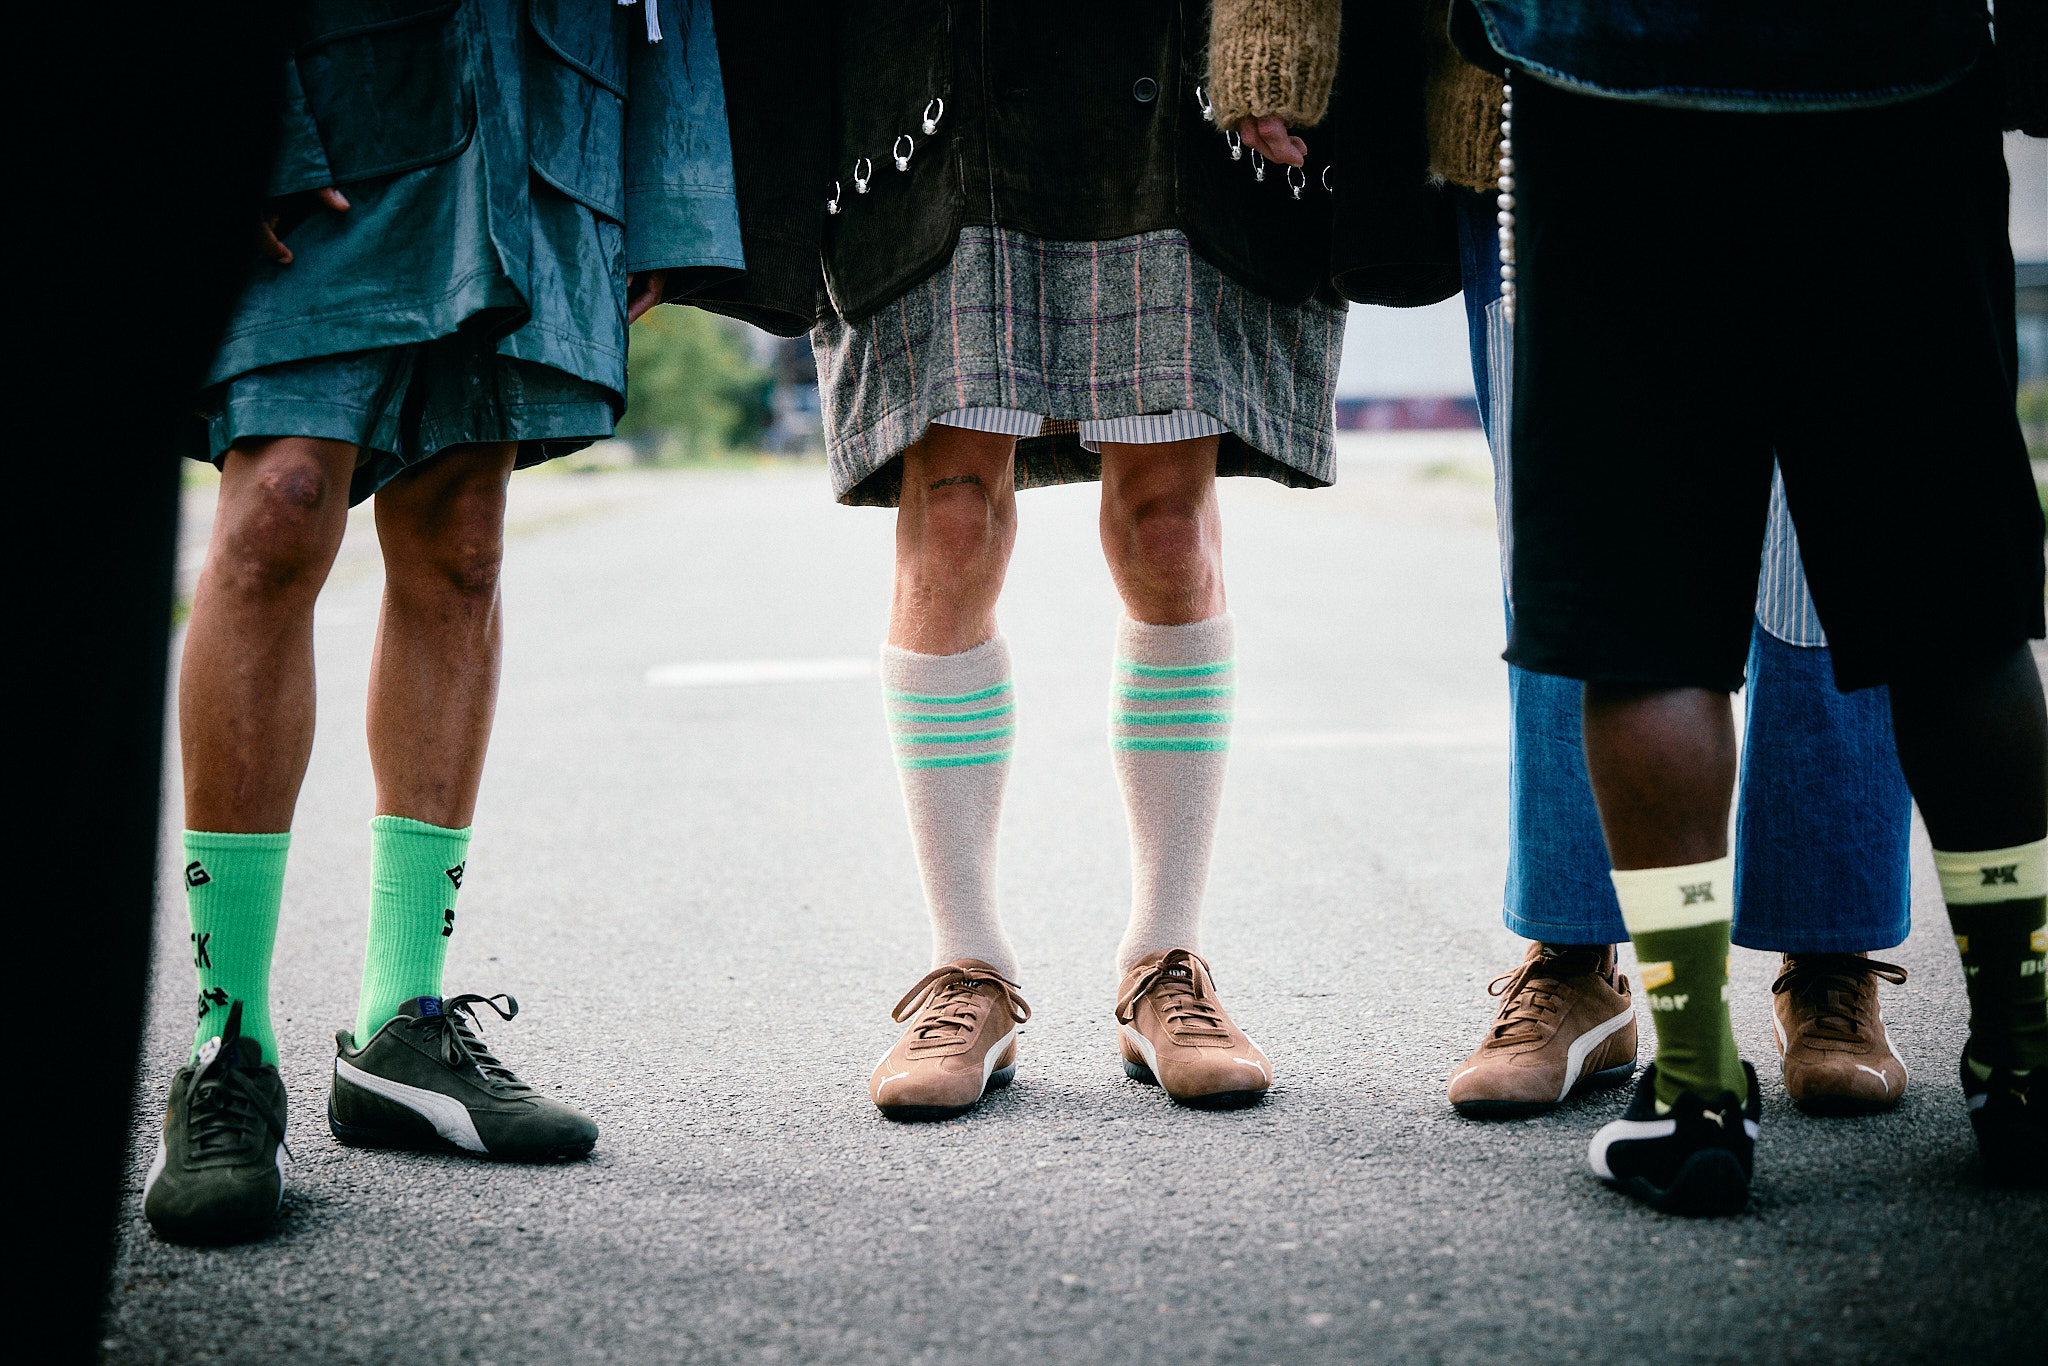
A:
{"points": [[1662, 764], [954, 532], [434, 677], [1162, 532], [245, 688]]}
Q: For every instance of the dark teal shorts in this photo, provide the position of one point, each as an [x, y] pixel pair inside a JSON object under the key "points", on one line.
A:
{"points": [[403, 405]]}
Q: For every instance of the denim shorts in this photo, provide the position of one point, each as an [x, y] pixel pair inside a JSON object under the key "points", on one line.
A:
{"points": [[402, 405]]}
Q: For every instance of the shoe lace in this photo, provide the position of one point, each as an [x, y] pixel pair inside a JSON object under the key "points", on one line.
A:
{"points": [[454, 1032], [224, 1110], [948, 1003], [1833, 986], [1533, 993], [1176, 988]]}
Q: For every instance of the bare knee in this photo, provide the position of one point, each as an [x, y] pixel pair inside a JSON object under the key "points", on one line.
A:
{"points": [[283, 509], [961, 526], [453, 547]]}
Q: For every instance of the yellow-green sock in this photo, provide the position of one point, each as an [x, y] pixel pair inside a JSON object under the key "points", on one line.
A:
{"points": [[1679, 920], [234, 885], [1998, 907], [415, 871]]}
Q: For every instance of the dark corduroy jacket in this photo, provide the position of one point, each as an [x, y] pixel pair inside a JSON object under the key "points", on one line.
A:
{"points": [[1066, 119]]}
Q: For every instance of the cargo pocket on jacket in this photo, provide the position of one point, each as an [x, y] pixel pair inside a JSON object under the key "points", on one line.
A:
{"points": [[384, 84], [576, 102]]}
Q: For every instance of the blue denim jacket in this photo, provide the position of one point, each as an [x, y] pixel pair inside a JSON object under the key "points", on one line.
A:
{"points": [[1757, 55]]}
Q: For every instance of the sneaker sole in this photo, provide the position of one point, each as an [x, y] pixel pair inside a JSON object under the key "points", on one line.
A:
{"points": [[363, 1136], [1215, 1100], [919, 1114], [1710, 1184], [1523, 1109]]}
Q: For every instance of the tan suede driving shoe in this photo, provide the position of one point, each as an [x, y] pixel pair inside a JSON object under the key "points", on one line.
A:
{"points": [[961, 1045], [1832, 1042], [1174, 1034], [1566, 1023]]}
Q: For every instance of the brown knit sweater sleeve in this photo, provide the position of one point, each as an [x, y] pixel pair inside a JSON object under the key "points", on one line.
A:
{"points": [[1461, 108], [1273, 57]]}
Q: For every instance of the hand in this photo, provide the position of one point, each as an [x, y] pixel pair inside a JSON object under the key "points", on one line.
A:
{"points": [[1270, 139], [643, 291], [266, 229]]}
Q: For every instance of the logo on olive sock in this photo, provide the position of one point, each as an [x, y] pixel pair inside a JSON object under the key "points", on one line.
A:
{"points": [[1696, 892], [199, 954], [447, 922], [196, 876], [1656, 974], [2002, 873], [455, 874], [208, 999]]}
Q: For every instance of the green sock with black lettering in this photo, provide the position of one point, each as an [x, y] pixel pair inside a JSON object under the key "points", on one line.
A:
{"points": [[1998, 907], [415, 871], [234, 885], [1679, 919]]}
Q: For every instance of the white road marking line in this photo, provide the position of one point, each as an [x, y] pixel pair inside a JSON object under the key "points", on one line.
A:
{"points": [[723, 673], [1385, 739]]}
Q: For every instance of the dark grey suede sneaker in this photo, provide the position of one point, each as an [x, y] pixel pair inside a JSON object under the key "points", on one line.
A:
{"points": [[218, 1176], [426, 1081]]}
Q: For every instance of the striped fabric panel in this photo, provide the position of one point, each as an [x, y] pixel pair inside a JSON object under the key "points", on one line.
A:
{"points": [[953, 730], [1001, 421], [1187, 707], [1784, 606], [1150, 429]]}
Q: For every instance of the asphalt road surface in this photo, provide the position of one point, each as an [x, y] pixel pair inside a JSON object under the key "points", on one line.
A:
{"points": [[700, 889]]}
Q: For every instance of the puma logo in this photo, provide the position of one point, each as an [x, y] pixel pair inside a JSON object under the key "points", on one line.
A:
{"points": [[1720, 1120]]}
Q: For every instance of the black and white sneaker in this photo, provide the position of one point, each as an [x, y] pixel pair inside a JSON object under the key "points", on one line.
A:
{"points": [[426, 1081], [2009, 1111], [218, 1176], [1692, 1159]]}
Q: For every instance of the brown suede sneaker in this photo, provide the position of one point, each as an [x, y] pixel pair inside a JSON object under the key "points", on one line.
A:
{"points": [[1838, 1059], [962, 1044], [1174, 1034], [1566, 1023]]}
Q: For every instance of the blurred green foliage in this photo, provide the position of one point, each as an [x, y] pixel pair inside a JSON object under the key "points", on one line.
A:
{"points": [[695, 391], [2033, 405]]}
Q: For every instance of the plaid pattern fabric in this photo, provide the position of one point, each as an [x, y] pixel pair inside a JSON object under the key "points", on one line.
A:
{"points": [[1079, 332]]}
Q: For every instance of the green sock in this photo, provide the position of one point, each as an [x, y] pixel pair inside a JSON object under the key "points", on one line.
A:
{"points": [[1679, 920], [1998, 907], [415, 872], [234, 885]]}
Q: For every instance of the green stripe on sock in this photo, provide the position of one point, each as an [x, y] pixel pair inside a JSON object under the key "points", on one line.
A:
{"points": [[988, 715], [1125, 742], [941, 699], [942, 738], [1173, 718], [955, 760], [1174, 671], [1174, 694]]}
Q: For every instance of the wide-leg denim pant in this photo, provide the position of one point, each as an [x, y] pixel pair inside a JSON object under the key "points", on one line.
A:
{"points": [[1823, 815]]}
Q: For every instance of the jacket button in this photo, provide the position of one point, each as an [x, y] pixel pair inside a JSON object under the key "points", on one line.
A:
{"points": [[1145, 91]]}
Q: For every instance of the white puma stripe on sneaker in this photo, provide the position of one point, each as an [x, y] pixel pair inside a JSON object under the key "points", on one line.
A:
{"points": [[1583, 1046], [449, 1116]]}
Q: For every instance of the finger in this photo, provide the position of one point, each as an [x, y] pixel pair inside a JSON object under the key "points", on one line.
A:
{"points": [[333, 199], [267, 243], [1278, 145], [645, 291]]}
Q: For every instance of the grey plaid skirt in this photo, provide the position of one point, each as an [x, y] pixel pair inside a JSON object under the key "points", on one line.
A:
{"points": [[1080, 331]]}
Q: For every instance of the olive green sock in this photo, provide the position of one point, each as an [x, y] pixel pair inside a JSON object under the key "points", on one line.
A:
{"points": [[415, 872], [1679, 920], [1998, 908], [234, 885]]}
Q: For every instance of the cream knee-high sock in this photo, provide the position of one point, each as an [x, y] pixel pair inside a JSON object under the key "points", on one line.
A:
{"points": [[952, 719], [1171, 703]]}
